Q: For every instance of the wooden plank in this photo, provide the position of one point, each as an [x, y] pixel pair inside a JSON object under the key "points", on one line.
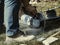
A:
{"points": [[49, 40]]}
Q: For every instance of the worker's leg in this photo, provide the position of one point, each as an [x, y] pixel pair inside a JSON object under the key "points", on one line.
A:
{"points": [[11, 17]]}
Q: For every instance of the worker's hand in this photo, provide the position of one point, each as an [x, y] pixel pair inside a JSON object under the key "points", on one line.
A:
{"points": [[31, 9]]}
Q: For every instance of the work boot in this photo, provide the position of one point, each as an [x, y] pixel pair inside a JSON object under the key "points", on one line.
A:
{"points": [[19, 38]]}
